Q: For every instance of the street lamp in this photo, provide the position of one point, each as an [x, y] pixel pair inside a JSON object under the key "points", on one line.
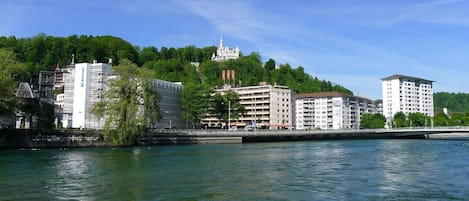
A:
{"points": [[167, 113]]}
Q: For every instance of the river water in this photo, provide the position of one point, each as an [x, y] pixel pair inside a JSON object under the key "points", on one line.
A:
{"points": [[310, 170]]}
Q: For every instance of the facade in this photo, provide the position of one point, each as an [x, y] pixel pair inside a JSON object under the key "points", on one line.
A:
{"points": [[170, 104], [266, 106], [225, 53], [408, 95], [84, 85], [37, 96], [330, 110]]}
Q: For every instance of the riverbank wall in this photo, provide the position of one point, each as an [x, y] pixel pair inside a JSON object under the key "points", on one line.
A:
{"points": [[48, 138], [41, 138]]}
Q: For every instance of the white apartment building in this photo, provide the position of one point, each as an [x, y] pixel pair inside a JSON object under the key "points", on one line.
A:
{"points": [[266, 106], [408, 95], [83, 87], [330, 110]]}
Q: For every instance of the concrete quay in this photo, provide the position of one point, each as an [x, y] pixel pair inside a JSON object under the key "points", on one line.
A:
{"points": [[25, 138]]}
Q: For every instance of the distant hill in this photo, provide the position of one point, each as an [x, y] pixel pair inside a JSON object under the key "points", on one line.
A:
{"points": [[43, 52], [455, 102]]}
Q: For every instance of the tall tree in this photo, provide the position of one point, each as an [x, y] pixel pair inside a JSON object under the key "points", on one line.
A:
{"points": [[195, 102], [400, 120], [130, 104], [417, 119], [441, 119], [11, 73], [372, 120], [225, 106]]}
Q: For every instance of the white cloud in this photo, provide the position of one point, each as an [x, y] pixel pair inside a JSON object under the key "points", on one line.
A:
{"points": [[430, 12]]}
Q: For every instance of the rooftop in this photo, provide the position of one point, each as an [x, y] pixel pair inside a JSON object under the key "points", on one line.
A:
{"points": [[329, 94], [398, 76]]}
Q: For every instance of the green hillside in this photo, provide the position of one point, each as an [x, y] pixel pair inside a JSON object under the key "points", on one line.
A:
{"points": [[44, 52], [455, 102]]}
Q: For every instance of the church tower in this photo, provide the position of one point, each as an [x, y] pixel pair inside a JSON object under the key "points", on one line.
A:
{"points": [[225, 53]]}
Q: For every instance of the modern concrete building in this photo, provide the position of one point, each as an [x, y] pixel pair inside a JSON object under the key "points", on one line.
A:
{"points": [[84, 85], [225, 53], [170, 104], [330, 110], [266, 106], [407, 94]]}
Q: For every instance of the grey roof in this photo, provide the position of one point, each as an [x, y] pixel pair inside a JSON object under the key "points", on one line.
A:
{"points": [[329, 94], [24, 91], [398, 76]]}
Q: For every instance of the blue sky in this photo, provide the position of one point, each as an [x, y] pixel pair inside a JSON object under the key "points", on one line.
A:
{"points": [[352, 43]]}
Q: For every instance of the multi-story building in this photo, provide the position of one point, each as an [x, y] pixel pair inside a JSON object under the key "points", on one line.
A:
{"points": [[330, 110], [266, 106], [408, 95], [170, 104], [85, 84], [83, 87], [225, 53]]}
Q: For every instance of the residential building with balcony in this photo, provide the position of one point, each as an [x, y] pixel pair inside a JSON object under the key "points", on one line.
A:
{"points": [[407, 94], [266, 106], [330, 110]]}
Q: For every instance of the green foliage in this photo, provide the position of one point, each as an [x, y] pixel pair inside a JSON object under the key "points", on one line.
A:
{"points": [[222, 104], [441, 119], [195, 102], [418, 119], [454, 102], [44, 52], [455, 119], [11, 73], [399, 120], [130, 104], [372, 121]]}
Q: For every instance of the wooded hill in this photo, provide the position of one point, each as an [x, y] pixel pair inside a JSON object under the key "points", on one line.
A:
{"points": [[455, 102], [43, 52]]}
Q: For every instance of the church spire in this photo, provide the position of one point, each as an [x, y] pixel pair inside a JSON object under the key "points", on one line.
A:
{"points": [[221, 42]]}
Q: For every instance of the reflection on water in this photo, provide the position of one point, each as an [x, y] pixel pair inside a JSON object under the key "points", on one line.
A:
{"points": [[319, 170]]}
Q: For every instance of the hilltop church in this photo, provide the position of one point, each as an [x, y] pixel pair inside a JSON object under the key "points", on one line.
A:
{"points": [[225, 53]]}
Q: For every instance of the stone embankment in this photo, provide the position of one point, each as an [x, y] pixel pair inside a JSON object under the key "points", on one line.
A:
{"points": [[39, 138]]}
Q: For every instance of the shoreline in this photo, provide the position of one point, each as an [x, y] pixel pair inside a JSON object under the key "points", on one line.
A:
{"points": [[42, 138]]}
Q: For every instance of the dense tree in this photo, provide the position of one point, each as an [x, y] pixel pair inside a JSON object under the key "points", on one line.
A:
{"points": [[130, 104], [372, 121], [222, 104], [454, 102], [270, 65], [440, 119], [44, 52], [417, 119], [195, 102], [11, 73], [400, 120], [148, 54]]}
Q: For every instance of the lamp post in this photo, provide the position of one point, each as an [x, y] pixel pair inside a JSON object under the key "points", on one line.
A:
{"points": [[167, 113], [229, 114]]}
